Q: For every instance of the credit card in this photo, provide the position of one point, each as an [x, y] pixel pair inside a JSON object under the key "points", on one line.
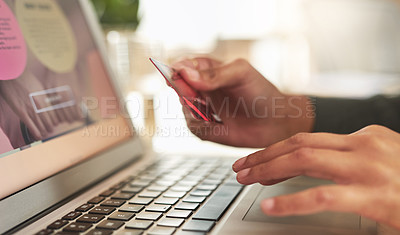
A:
{"points": [[191, 98]]}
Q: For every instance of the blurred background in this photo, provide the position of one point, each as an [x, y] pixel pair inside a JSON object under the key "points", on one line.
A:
{"points": [[335, 48]]}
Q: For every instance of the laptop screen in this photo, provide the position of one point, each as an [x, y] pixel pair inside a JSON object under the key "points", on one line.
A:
{"points": [[57, 104]]}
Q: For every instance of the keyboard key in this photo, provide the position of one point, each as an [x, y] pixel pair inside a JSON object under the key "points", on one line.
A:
{"points": [[204, 168], [57, 224], [147, 193], [113, 202], [199, 173], [131, 208], [218, 203], [171, 222], [194, 177], [148, 177], [118, 186], [216, 176], [171, 177], [44, 232], [161, 231], [99, 232], [90, 218], [184, 214], [201, 193], [174, 194], [123, 196], [110, 224], [232, 182], [158, 208], [107, 193], [130, 232], [96, 200], [211, 187], [77, 227], [181, 188], [84, 207], [148, 215], [140, 183], [226, 168], [130, 189], [210, 181], [165, 182], [156, 172], [72, 215], [166, 200], [187, 206], [104, 210], [231, 178], [188, 182], [139, 224], [158, 188], [124, 216], [189, 233], [194, 199], [141, 200], [179, 171], [198, 225]]}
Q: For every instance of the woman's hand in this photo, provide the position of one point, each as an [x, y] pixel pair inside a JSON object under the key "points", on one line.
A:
{"points": [[254, 112], [16, 94], [365, 166]]}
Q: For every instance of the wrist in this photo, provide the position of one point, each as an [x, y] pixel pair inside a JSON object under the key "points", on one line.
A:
{"points": [[300, 114]]}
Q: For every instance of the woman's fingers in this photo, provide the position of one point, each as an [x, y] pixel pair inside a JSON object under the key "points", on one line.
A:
{"points": [[38, 122], [319, 163], [67, 116], [301, 140], [364, 169], [47, 122], [343, 198], [30, 124], [198, 63], [215, 77], [53, 117]]}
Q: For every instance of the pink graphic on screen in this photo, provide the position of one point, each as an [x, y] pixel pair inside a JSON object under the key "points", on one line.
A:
{"points": [[12, 45]]}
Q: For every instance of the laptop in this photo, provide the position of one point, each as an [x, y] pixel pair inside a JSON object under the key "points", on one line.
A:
{"points": [[71, 162]]}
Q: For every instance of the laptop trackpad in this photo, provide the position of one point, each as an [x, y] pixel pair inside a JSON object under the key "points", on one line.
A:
{"points": [[325, 219]]}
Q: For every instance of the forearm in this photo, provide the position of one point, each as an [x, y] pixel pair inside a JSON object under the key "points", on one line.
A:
{"points": [[347, 115]]}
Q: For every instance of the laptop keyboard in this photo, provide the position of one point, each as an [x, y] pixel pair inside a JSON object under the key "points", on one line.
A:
{"points": [[172, 196]]}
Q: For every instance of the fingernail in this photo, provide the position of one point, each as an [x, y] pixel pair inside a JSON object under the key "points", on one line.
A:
{"points": [[238, 164], [243, 174], [268, 204]]}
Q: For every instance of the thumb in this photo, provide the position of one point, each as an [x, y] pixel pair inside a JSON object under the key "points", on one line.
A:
{"points": [[226, 75]]}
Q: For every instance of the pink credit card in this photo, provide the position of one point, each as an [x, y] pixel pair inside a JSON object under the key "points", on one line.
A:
{"points": [[191, 98]]}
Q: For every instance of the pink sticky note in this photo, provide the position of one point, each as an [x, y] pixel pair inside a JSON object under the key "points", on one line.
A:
{"points": [[12, 45]]}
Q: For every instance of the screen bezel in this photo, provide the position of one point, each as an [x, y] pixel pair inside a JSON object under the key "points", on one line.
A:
{"points": [[23, 205]]}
